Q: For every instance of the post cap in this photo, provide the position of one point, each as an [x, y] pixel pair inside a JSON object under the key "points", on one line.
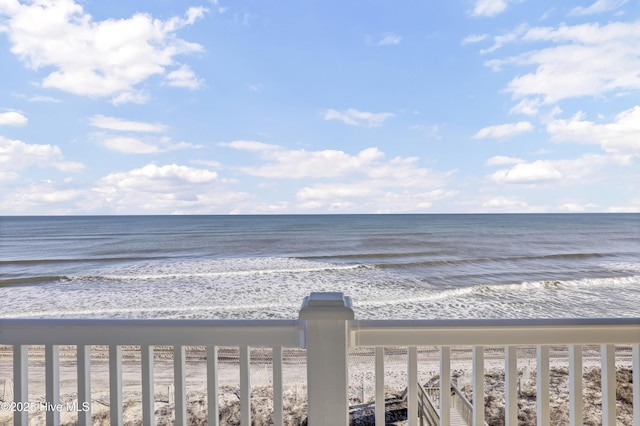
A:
{"points": [[326, 305]]}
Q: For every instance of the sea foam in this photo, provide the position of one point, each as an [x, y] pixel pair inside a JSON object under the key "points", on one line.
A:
{"points": [[273, 287]]}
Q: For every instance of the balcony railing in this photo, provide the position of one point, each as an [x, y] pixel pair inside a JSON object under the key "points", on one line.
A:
{"points": [[326, 328]]}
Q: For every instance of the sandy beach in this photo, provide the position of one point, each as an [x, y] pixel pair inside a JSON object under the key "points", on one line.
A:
{"points": [[361, 381]]}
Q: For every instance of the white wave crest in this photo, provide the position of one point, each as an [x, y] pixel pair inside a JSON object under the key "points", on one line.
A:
{"points": [[273, 287], [216, 268]]}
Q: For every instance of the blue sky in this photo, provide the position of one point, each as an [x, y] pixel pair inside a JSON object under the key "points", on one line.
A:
{"points": [[265, 106]]}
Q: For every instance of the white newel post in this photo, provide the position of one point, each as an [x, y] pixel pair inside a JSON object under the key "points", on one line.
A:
{"points": [[326, 316]]}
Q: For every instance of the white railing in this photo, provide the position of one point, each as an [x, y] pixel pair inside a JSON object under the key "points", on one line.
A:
{"points": [[573, 333], [327, 329], [146, 334]]}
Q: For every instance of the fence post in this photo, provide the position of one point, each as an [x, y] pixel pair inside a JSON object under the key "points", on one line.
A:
{"points": [[326, 340]]}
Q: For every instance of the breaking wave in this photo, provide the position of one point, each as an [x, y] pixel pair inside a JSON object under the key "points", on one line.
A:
{"points": [[273, 287]]}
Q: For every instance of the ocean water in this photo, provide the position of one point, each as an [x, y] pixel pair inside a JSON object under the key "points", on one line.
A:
{"points": [[393, 266]]}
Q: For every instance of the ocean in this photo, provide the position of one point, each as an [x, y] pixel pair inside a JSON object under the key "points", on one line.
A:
{"points": [[392, 266]]}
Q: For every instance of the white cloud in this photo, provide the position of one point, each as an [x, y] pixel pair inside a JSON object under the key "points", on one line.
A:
{"points": [[167, 145], [123, 136], [366, 181], [528, 173], [620, 137], [598, 6], [431, 131], [149, 145], [575, 207], [500, 160], [542, 172], [583, 60], [105, 58], [114, 123], [403, 172], [129, 145], [503, 131], [209, 163], [370, 163], [527, 106], [358, 118], [409, 201], [632, 207], [7, 176], [167, 189], [387, 39], [46, 196], [184, 77], [158, 175], [322, 193], [253, 146], [474, 38], [501, 40], [297, 164], [218, 8], [18, 155], [39, 98], [133, 96], [490, 7], [12, 118], [505, 203], [366, 196]]}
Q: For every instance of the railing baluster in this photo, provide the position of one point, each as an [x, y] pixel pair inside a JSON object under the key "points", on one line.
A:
{"points": [[52, 373], [478, 385], [575, 385], [278, 419], [245, 387], [115, 385], [636, 383], [412, 386], [608, 380], [83, 356], [148, 397], [445, 385], [511, 385], [212, 385], [542, 385], [180, 384], [380, 409], [20, 382]]}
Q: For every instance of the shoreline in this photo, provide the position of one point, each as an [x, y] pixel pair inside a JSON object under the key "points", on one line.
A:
{"points": [[361, 378]]}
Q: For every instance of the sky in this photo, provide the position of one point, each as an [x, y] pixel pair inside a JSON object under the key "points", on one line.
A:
{"points": [[310, 106]]}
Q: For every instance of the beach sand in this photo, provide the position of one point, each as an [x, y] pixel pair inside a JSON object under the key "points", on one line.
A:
{"points": [[361, 383]]}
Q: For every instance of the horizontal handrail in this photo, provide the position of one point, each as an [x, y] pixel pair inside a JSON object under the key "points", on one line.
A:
{"points": [[287, 333], [581, 331]]}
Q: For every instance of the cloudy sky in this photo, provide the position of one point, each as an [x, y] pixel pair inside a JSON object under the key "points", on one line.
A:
{"points": [[319, 106]]}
